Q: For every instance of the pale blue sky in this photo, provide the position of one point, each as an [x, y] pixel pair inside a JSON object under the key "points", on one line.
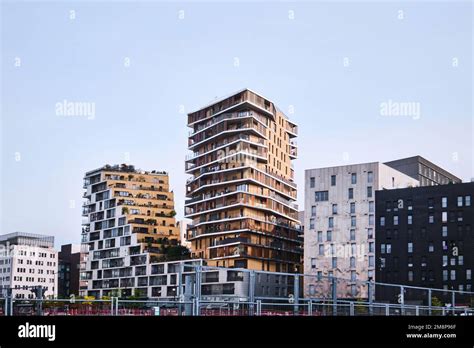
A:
{"points": [[190, 61]]}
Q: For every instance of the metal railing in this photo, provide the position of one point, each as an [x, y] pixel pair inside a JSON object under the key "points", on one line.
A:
{"points": [[261, 293]]}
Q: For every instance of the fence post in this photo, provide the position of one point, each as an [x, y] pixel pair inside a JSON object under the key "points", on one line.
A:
{"points": [[259, 307], [296, 291], [112, 309], [402, 300], [252, 292], [198, 290], [334, 296], [429, 301], [387, 309], [188, 308], [453, 300], [351, 309], [370, 291], [417, 310], [310, 308]]}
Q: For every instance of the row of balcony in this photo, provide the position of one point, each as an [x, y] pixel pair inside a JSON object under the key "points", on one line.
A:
{"points": [[229, 140], [224, 130]]}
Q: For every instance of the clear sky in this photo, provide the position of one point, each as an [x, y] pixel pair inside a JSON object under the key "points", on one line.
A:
{"points": [[142, 64]]}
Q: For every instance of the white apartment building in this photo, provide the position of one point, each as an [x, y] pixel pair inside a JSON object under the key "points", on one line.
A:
{"points": [[339, 226], [28, 260]]}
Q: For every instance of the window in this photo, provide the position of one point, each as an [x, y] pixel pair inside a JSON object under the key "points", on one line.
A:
{"points": [[468, 201], [311, 224], [460, 201], [312, 182], [371, 207], [352, 235], [430, 203], [371, 261], [369, 191], [353, 208], [444, 232], [313, 263], [410, 219], [431, 247], [431, 218], [353, 221], [334, 209], [353, 262], [445, 260], [331, 222], [395, 220], [383, 248], [320, 236], [353, 276], [453, 274], [409, 204], [351, 193], [370, 177], [371, 220], [410, 276], [371, 247], [354, 178], [444, 216], [329, 236], [321, 249], [370, 233], [382, 221], [461, 260], [468, 274], [321, 196], [313, 210], [389, 248], [312, 290], [320, 275], [444, 202], [410, 247], [445, 275], [388, 206], [334, 262], [333, 180]]}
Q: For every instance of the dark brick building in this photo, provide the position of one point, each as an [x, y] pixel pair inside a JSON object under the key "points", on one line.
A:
{"points": [[70, 259], [424, 238]]}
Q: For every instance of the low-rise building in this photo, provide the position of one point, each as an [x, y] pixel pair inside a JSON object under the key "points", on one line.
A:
{"points": [[27, 261]]}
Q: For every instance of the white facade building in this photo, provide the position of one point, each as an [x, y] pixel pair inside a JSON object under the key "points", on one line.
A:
{"points": [[340, 225], [28, 260]]}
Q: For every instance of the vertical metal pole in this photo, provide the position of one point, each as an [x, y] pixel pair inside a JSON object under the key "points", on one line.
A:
{"points": [[453, 301], [179, 291], [334, 296], [429, 301], [112, 309], [251, 292], [259, 307], [402, 299], [198, 290], [417, 310], [370, 294], [296, 291], [351, 309], [310, 308], [187, 295], [387, 309]]}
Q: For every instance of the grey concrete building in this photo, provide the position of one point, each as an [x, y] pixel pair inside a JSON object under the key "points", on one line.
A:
{"points": [[426, 172], [340, 225]]}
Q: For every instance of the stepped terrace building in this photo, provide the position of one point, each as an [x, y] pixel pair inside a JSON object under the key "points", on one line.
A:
{"points": [[129, 223], [241, 194]]}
